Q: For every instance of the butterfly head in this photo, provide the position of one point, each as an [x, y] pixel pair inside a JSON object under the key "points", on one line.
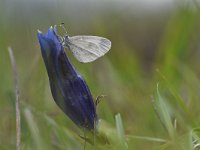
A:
{"points": [[63, 39]]}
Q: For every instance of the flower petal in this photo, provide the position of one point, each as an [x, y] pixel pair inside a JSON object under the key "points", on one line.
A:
{"points": [[68, 88]]}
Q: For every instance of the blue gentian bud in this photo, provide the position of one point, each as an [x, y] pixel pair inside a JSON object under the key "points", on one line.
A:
{"points": [[68, 88]]}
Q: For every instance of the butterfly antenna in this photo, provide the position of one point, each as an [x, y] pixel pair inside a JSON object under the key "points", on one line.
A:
{"points": [[63, 26]]}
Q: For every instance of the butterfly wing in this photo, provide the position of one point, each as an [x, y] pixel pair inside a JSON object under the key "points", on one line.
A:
{"points": [[88, 48]]}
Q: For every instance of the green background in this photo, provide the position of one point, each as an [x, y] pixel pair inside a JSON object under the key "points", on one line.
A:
{"points": [[151, 45]]}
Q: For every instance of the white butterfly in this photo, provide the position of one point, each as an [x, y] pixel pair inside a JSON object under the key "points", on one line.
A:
{"points": [[87, 48]]}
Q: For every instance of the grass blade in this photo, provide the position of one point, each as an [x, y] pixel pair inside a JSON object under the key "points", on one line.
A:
{"points": [[17, 106], [163, 112], [120, 130], [151, 139], [34, 129]]}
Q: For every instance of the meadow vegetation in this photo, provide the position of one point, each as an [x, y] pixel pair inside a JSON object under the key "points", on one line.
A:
{"points": [[151, 77]]}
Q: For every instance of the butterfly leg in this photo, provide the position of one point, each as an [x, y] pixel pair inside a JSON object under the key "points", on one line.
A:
{"points": [[98, 99]]}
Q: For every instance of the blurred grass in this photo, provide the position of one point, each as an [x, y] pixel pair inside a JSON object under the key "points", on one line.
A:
{"points": [[147, 49]]}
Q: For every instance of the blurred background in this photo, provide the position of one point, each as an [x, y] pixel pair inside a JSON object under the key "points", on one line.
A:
{"points": [[153, 41]]}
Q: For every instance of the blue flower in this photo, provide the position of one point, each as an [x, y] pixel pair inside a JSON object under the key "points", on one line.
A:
{"points": [[68, 88]]}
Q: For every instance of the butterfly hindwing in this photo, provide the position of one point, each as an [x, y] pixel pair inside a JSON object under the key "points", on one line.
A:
{"points": [[88, 48]]}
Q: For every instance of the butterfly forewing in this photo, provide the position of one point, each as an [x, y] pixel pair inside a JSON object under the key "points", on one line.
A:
{"points": [[88, 48]]}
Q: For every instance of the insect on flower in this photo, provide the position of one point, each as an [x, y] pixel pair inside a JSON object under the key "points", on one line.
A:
{"points": [[86, 48], [69, 90]]}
